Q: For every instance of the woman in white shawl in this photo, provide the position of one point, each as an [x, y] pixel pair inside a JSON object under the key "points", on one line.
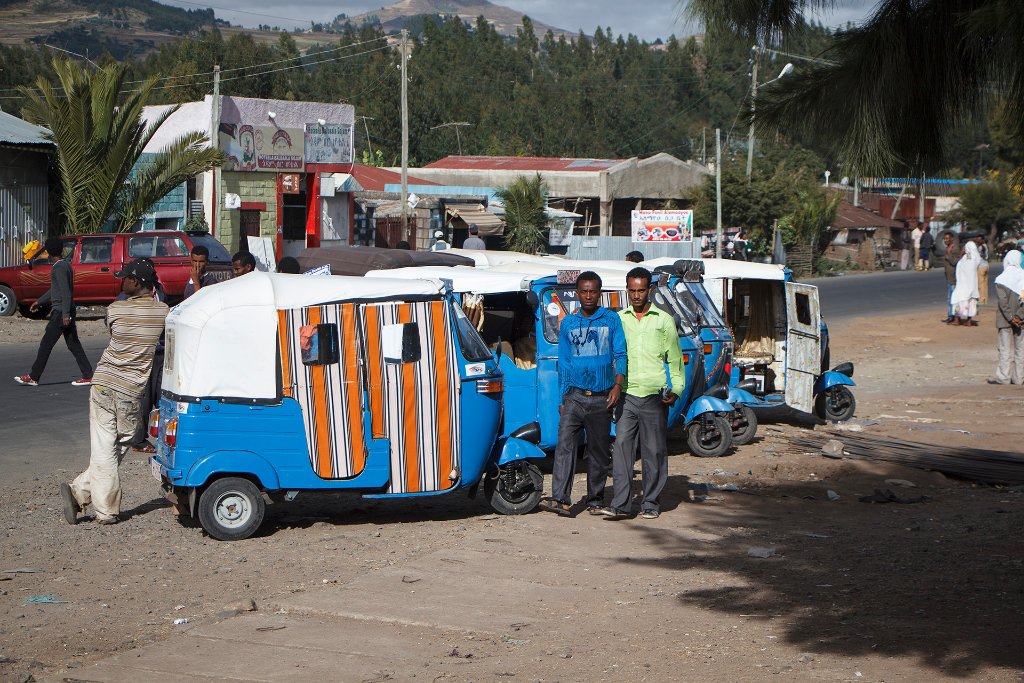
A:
{"points": [[1009, 315], [965, 293]]}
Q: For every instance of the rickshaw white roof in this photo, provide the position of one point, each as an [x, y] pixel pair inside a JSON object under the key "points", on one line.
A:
{"points": [[222, 341], [610, 278], [463, 279], [486, 258], [728, 269]]}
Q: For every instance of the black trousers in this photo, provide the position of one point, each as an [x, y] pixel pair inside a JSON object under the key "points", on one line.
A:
{"points": [[587, 413], [151, 397], [55, 330]]}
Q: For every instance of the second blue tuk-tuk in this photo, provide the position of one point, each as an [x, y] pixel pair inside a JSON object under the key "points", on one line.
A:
{"points": [[378, 387]]}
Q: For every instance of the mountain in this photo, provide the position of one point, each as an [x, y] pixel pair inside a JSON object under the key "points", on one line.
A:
{"points": [[505, 20]]}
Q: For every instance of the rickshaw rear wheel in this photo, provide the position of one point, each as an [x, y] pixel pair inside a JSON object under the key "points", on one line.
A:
{"points": [[744, 425], [709, 436], [835, 404], [514, 489], [231, 509]]}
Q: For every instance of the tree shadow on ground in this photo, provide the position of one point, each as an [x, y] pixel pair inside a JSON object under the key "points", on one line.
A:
{"points": [[941, 581]]}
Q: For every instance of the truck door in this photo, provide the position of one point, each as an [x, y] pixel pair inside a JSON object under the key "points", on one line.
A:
{"points": [[803, 336], [95, 268]]}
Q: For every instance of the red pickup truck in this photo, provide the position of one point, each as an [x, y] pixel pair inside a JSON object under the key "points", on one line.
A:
{"points": [[95, 259]]}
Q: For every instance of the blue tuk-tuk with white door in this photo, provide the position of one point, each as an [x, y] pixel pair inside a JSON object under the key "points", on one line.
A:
{"points": [[276, 384]]}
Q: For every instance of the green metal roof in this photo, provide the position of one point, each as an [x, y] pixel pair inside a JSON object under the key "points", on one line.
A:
{"points": [[15, 131]]}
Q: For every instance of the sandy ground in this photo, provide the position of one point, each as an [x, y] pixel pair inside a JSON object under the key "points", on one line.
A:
{"points": [[854, 591]]}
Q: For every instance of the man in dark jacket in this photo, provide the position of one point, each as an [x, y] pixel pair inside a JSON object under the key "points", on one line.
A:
{"points": [[949, 261], [61, 298]]}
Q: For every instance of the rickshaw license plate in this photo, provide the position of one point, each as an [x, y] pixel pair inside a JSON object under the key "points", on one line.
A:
{"points": [[154, 468]]}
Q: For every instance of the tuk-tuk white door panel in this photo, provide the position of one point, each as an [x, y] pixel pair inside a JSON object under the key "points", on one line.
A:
{"points": [[416, 405], [803, 351], [330, 396]]}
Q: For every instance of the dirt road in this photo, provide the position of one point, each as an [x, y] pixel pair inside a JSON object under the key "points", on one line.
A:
{"points": [[852, 591]]}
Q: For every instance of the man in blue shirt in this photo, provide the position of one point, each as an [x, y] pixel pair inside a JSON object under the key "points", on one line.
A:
{"points": [[591, 372]]}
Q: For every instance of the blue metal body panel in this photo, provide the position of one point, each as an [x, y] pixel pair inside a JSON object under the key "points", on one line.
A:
{"points": [[520, 395], [740, 396], [513, 449], [706, 404], [831, 379]]}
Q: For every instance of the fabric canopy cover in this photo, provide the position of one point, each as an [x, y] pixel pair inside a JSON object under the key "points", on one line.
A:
{"points": [[361, 260], [222, 341], [471, 280], [488, 223]]}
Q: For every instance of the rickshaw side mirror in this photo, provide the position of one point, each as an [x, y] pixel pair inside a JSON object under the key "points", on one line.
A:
{"points": [[532, 299], [401, 343]]}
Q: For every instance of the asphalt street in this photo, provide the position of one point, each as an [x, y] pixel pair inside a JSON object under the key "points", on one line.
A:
{"points": [[47, 427]]}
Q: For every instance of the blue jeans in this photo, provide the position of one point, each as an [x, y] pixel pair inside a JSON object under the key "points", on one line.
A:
{"points": [[949, 298]]}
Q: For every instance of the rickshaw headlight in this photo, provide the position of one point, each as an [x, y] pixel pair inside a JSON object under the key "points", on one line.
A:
{"points": [[154, 422], [489, 386]]}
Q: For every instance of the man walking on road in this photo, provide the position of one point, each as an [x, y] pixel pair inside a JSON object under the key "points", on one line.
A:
{"points": [[61, 297], [949, 261], [925, 250], [114, 401], [651, 344], [591, 371], [915, 237]]}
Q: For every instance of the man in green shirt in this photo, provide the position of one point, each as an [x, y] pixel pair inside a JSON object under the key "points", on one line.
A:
{"points": [[652, 345]]}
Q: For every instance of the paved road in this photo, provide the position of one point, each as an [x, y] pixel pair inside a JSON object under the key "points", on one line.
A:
{"points": [[879, 293], [46, 427]]}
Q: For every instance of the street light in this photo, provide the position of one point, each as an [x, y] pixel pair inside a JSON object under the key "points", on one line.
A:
{"points": [[786, 70]]}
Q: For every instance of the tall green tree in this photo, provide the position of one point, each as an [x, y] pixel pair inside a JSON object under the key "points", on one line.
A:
{"points": [[524, 201], [96, 123], [991, 206]]}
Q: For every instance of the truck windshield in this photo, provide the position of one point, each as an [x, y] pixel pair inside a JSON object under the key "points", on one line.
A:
{"points": [[473, 347], [218, 253]]}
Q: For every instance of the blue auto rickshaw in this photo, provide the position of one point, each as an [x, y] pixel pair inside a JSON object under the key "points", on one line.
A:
{"points": [[781, 354], [278, 384]]}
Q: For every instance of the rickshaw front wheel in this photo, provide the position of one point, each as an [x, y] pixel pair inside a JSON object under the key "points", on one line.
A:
{"points": [[231, 509], [709, 436], [744, 425], [514, 489], [835, 404]]}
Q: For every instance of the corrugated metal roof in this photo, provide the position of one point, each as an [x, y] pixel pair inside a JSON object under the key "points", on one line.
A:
{"points": [[488, 223], [524, 163], [15, 131], [374, 179], [850, 216]]}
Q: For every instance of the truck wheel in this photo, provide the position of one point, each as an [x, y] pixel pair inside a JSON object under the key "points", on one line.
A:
{"points": [[835, 404], [231, 509], [744, 425], [514, 489], [8, 302], [709, 436]]}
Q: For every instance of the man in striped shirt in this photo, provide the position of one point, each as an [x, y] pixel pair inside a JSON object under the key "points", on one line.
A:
{"points": [[117, 386]]}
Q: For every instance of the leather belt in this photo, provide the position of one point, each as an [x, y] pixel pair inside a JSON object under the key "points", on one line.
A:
{"points": [[588, 392]]}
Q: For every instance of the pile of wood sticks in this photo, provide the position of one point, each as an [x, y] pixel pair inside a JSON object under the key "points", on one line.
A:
{"points": [[975, 464]]}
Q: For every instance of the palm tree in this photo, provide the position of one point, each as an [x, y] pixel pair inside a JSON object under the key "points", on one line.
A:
{"points": [[524, 213], [96, 122], [894, 85]]}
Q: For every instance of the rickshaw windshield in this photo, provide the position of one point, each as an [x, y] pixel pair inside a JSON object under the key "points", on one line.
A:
{"points": [[558, 302], [689, 307], [663, 298], [473, 347], [712, 318]]}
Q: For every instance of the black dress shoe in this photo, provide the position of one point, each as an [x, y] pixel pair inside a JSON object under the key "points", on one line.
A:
{"points": [[949, 320]]}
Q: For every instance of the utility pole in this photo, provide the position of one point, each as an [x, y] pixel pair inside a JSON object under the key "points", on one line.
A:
{"points": [[367, 130], [405, 135], [703, 146], [215, 144], [753, 105], [718, 192], [456, 125]]}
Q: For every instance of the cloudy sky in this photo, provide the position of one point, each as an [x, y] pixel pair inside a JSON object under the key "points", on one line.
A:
{"points": [[648, 19]]}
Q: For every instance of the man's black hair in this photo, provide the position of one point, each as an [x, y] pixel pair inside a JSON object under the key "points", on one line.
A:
{"points": [[635, 256], [589, 275], [244, 258], [54, 247], [289, 264], [200, 250], [639, 272]]}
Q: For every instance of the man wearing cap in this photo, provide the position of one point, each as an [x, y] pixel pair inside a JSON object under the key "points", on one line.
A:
{"points": [[118, 383], [439, 243], [474, 240]]}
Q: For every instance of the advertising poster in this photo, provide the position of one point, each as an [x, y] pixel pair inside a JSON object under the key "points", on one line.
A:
{"points": [[662, 226], [330, 143], [262, 148]]}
